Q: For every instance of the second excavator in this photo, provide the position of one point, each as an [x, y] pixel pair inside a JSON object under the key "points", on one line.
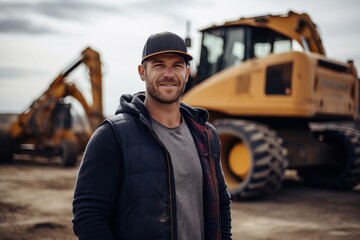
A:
{"points": [[45, 128]]}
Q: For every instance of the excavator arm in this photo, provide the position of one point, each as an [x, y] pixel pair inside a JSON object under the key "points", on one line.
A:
{"points": [[37, 116]]}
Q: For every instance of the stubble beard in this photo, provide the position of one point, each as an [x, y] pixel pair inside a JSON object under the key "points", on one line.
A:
{"points": [[158, 96]]}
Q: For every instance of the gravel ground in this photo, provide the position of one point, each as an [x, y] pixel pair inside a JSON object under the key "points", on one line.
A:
{"points": [[36, 199]]}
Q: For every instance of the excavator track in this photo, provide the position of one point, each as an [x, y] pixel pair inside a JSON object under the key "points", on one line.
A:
{"points": [[6, 147], [253, 158], [346, 173], [69, 153]]}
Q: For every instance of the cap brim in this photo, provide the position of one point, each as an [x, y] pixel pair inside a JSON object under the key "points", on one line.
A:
{"points": [[185, 55]]}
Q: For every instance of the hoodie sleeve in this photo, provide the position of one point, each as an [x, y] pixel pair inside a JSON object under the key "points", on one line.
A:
{"points": [[97, 185]]}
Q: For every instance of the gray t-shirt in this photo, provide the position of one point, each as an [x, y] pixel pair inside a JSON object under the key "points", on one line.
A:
{"points": [[188, 179]]}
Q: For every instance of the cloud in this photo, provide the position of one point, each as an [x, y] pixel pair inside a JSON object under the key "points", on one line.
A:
{"points": [[40, 17], [72, 10], [20, 17], [175, 10], [14, 73], [22, 26], [56, 9]]}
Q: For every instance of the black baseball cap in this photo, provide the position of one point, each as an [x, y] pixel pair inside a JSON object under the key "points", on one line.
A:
{"points": [[165, 42]]}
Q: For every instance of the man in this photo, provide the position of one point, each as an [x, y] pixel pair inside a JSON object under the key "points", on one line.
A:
{"points": [[153, 170]]}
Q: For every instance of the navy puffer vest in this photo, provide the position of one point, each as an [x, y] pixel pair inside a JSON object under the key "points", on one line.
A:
{"points": [[146, 198]]}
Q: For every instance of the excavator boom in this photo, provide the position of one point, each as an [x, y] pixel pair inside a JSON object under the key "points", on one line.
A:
{"points": [[293, 25]]}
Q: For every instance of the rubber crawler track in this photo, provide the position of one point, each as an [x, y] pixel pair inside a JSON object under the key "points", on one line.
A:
{"points": [[349, 139], [69, 153], [6, 147]]}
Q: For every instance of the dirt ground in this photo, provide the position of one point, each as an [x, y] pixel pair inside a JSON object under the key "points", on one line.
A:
{"points": [[36, 199]]}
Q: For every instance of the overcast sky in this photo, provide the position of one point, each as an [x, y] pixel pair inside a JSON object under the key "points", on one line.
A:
{"points": [[38, 39]]}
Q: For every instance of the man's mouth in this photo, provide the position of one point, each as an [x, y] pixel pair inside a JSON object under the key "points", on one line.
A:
{"points": [[168, 85]]}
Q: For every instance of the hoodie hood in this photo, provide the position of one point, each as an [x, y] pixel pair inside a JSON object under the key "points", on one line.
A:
{"points": [[134, 104]]}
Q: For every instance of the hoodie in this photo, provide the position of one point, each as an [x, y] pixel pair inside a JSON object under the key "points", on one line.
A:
{"points": [[125, 185]]}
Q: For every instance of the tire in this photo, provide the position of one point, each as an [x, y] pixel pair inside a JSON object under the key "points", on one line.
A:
{"points": [[6, 147], [69, 153], [252, 157], [346, 173]]}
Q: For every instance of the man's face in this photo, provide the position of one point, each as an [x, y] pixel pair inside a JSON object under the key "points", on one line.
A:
{"points": [[165, 76]]}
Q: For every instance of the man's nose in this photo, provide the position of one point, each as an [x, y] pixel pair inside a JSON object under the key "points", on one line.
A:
{"points": [[169, 71]]}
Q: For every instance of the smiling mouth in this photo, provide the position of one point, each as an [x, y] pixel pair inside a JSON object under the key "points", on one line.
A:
{"points": [[168, 85]]}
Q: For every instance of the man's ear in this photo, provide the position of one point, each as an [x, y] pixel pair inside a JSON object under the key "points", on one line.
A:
{"points": [[141, 71], [188, 70]]}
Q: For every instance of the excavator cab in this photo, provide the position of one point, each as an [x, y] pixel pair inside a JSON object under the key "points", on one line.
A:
{"points": [[227, 46]]}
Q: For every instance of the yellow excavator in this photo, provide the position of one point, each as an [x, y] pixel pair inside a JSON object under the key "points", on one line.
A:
{"points": [[278, 103], [46, 127]]}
